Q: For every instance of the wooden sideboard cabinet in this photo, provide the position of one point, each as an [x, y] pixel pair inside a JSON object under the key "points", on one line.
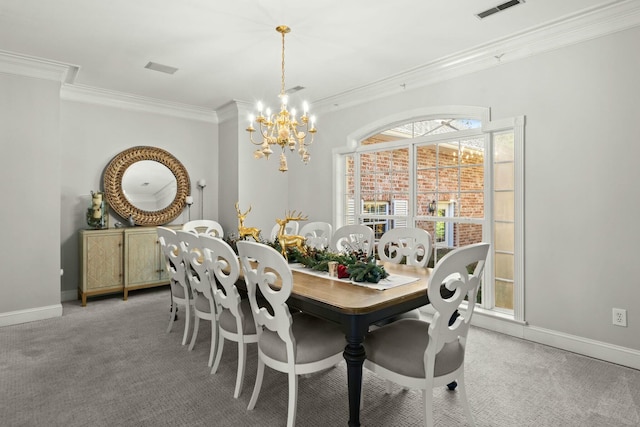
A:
{"points": [[143, 259], [102, 264], [120, 260]]}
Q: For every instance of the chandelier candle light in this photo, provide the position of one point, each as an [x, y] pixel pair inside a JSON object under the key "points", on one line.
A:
{"points": [[283, 128]]}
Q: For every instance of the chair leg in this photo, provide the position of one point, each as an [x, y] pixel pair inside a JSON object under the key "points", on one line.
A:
{"points": [[194, 334], [214, 339], [218, 354], [172, 315], [427, 398], [293, 399], [462, 391], [257, 386], [187, 322], [389, 388], [242, 359]]}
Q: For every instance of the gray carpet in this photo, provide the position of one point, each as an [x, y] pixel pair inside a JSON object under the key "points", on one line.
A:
{"points": [[112, 364]]}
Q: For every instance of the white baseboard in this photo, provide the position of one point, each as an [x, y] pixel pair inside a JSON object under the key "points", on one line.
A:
{"points": [[597, 349], [585, 346], [30, 315]]}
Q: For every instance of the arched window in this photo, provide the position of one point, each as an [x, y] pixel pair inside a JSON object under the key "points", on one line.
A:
{"points": [[452, 174]]}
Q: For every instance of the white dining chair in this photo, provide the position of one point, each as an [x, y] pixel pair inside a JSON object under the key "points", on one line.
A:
{"points": [[203, 301], [317, 234], [421, 355], [355, 237], [204, 226], [180, 290], [294, 344], [235, 319], [408, 244]]}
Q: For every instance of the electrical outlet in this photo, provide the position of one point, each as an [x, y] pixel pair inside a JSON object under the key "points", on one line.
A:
{"points": [[620, 317]]}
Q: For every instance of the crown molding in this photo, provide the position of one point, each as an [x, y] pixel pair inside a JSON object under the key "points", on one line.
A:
{"points": [[27, 66], [109, 98], [234, 110], [38, 68], [596, 22]]}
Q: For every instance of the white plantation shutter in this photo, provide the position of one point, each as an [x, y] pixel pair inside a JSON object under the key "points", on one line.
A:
{"points": [[350, 212], [400, 207]]}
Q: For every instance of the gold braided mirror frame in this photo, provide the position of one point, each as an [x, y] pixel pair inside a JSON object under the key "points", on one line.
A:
{"points": [[115, 196]]}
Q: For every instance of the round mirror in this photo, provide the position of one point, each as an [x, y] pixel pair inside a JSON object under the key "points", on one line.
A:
{"points": [[149, 185], [146, 184]]}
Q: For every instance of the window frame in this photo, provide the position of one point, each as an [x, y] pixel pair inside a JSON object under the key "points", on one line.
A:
{"points": [[488, 130]]}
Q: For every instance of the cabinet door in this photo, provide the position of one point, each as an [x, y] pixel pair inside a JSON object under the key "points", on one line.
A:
{"points": [[142, 255], [103, 261]]}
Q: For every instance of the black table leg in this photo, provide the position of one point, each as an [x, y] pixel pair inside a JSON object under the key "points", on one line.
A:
{"points": [[354, 355]]}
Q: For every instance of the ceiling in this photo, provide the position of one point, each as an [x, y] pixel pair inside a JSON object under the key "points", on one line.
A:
{"points": [[230, 50]]}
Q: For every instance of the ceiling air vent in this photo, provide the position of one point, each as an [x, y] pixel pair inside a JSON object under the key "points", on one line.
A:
{"points": [[294, 89], [162, 68], [498, 8]]}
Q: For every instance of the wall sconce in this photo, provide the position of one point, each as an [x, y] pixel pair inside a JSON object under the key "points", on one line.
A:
{"points": [[189, 201], [201, 184], [431, 207]]}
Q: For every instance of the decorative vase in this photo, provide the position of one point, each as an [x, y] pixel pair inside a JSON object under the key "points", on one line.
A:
{"points": [[97, 215]]}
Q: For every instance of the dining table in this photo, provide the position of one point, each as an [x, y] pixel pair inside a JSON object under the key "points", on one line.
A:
{"points": [[355, 307]]}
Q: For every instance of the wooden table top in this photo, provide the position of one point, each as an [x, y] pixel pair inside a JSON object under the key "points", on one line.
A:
{"points": [[355, 299]]}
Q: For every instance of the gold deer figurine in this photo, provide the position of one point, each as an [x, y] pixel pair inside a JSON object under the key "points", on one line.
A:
{"points": [[290, 240], [246, 231]]}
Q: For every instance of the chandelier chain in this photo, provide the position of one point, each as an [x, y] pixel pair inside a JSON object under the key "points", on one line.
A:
{"points": [[282, 90]]}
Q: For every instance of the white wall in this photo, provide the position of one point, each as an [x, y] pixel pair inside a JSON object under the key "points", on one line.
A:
{"points": [[93, 134], [228, 169], [30, 188], [581, 174]]}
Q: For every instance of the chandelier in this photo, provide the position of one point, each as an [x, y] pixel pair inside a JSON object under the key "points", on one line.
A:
{"points": [[282, 129]]}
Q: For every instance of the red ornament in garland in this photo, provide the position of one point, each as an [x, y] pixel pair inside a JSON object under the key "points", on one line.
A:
{"points": [[342, 271]]}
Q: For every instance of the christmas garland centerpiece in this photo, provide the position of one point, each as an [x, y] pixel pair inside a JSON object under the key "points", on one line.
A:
{"points": [[356, 265]]}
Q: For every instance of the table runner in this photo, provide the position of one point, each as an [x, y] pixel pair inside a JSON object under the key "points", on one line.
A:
{"points": [[389, 282]]}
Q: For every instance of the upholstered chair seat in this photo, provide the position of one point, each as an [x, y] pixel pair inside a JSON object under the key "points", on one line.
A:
{"points": [[400, 347], [315, 339], [228, 320]]}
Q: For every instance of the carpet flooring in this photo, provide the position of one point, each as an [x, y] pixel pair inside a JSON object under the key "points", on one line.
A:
{"points": [[112, 364]]}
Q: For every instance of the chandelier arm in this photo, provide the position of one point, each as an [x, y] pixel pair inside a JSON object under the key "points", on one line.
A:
{"points": [[304, 142], [252, 141]]}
